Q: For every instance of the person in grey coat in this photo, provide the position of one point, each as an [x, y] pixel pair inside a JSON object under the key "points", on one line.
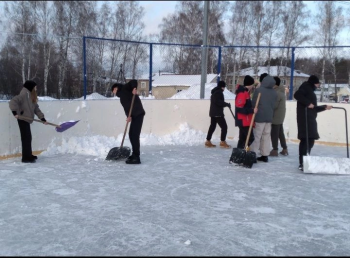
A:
{"points": [[279, 114], [26, 104], [263, 118]]}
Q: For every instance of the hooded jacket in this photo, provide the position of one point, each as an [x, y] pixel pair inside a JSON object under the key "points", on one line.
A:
{"points": [[23, 105], [305, 96], [125, 94], [280, 109], [243, 107], [217, 102], [267, 100]]}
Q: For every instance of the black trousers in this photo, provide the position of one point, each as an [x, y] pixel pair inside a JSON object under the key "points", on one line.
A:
{"points": [[134, 134], [223, 125], [303, 148], [243, 134], [26, 138], [277, 133]]}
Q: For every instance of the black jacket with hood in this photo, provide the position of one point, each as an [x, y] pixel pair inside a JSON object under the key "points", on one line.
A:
{"points": [[217, 102], [125, 94], [305, 95]]}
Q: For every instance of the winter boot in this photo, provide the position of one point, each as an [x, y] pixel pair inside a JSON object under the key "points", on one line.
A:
{"points": [[34, 157], [223, 144], [274, 153], [284, 152], [208, 144], [301, 167], [133, 160], [263, 158]]}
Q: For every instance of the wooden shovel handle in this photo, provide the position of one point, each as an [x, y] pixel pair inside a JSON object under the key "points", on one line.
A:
{"points": [[251, 123], [36, 120]]}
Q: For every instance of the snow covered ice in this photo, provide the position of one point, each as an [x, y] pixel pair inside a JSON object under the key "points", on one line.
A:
{"points": [[183, 200]]}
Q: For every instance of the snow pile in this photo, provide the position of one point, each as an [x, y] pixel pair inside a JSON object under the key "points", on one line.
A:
{"points": [[99, 146]]}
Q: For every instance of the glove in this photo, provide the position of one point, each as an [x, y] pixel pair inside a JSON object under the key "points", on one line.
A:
{"points": [[14, 113], [229, 105], [43, 119]]}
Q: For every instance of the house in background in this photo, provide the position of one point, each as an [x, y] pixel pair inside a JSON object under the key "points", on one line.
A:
{"points": [[283, 72], [167, 85]]}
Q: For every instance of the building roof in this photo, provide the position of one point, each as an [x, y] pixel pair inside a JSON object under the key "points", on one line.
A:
{"points": [[180, 80], [273, 71], [193, 92]]}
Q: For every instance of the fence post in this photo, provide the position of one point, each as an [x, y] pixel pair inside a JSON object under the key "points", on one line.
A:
{"points": [[219, 65], [291, 76], [150, 68], [84, 66]]}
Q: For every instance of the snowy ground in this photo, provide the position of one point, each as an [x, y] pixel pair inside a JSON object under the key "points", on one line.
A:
{"points": [[183, 200]]}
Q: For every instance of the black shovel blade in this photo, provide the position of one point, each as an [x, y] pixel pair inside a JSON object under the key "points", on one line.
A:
{"points": [[118, 153], [249, 159], [237, 156]]}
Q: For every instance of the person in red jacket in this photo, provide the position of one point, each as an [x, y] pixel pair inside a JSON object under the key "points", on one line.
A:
{"points": [[244, 111]]}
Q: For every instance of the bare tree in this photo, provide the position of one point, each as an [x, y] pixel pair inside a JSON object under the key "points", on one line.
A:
{"points": [[330, 22], [44, 19], [294, 28], [22, 22]]}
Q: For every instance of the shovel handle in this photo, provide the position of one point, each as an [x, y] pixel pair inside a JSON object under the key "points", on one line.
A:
{"points": [[251, 123], [36, 120]]}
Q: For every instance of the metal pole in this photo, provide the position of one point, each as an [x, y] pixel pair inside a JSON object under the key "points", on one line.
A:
{"points": [[150, 68], [219, 65], [204, 49], [84, 66], [291, 75]]}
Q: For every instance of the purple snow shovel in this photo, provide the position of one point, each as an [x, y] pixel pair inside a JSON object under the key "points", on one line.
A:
{"points": [[59, 128]]}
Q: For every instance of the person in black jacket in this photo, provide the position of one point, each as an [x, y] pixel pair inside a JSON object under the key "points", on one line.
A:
{"points": [[306, 97], [125, 92], [216, 113]]}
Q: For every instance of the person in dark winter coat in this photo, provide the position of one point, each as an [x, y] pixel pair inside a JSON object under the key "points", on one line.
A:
{"points": [[263, 119], [306, 98], [216, 113], [279, 114], [244, 111], [26, 104], [125, 92]]}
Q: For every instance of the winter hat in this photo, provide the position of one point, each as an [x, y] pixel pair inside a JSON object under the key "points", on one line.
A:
{"points": [[262, 76], [118, 85], [221, 84], [29, 85], [313, 79], [248, 80], [278, 80]]}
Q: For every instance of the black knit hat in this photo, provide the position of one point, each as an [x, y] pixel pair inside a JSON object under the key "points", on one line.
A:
{"points": [[29, 85], [313, 79], [248, 80], [221, 84], [277, 80], [262, 76], [118, 85]]}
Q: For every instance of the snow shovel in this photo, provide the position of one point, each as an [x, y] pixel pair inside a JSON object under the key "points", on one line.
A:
{"points": [[59, 128], [121, 152], [327, 165], [244, 156]]}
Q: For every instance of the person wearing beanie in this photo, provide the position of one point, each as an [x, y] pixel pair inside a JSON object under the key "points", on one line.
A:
{"points": [[307, 101], [216, 114], [125, 92], [26, 105], [279, 114], [244, 111], [263, 119]]}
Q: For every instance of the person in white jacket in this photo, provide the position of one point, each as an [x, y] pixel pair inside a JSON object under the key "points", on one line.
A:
{"points": [[26, 105]]}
